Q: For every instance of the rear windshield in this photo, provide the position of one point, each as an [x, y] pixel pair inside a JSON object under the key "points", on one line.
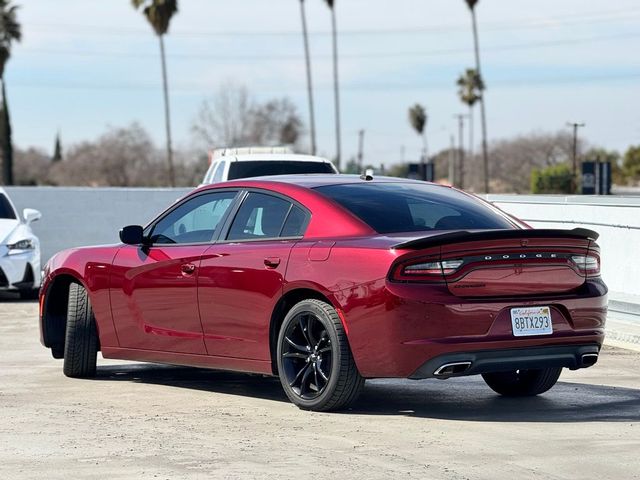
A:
{"points": [[5, 208], [404, 207], [271, 167]]}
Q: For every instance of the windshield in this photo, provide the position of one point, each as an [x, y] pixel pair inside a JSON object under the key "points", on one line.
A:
{"points": [[276, 167], [6, 211], [409, 207]]}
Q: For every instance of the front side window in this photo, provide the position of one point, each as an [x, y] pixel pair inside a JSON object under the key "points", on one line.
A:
{"points": [[194, 221], [5, 208], [411, 207], [264, 216]]}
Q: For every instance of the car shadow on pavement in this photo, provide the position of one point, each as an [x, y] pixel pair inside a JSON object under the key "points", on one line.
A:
{"points": [[215, 381], [14, 297], [467, 399]]}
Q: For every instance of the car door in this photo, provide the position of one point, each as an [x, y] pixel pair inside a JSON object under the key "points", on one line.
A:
{"points": [[242, 276], [154, 287]]}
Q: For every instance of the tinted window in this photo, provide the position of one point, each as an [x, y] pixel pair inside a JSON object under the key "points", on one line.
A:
{"points": [[260, 216], [398, 207], [275, 167], [194, 221], [5, 208], [295, 224]]}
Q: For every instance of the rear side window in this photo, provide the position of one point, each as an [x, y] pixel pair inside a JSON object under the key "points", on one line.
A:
{"points": [[405, 207], [5, 208], [275, 167], [264, 216]]}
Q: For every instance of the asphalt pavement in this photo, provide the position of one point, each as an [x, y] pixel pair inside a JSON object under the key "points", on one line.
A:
{"points": [[153, 421]]}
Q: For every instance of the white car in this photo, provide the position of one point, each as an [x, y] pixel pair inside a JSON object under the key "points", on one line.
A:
{"points": [[19, 250], [234, 163]]}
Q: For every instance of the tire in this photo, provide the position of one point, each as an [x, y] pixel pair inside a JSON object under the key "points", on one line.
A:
{"points": [[57, 352], [522, 383], [29, 294], [81, 340], [315, 364]]}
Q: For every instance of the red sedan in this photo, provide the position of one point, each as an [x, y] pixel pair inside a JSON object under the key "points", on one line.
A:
{"points": [[326, 280]]}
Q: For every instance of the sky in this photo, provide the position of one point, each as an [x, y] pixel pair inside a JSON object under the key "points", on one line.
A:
{"points": [[86, 65]]}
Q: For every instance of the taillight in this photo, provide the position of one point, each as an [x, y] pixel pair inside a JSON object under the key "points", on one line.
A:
{"points": [[426, 271], [587, 264]]}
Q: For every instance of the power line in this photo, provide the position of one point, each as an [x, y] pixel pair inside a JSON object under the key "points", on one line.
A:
{"points": [[571, 19], [363, 87], [363, 55]]}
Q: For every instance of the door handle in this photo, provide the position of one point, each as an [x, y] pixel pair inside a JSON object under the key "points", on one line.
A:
{"points": [[188, 268], [271, 262]]}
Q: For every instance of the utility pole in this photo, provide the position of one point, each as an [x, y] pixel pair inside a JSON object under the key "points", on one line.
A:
{"points": [[574, 170], [461, 118], [312, 119], [452, 161], [360, 147]]}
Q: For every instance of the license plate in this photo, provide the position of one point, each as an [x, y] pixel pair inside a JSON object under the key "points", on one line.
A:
{"points": [[527, 321]]}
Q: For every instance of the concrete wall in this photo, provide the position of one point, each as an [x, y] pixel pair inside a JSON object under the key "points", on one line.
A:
{"points": [[75, 216], [91, 216]]}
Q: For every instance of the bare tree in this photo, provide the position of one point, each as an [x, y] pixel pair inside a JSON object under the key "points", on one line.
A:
{"points": [[223, 119], [232, 118], [513, 160], [120, 157]]}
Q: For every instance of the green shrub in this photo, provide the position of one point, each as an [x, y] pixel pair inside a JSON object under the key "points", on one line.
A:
{"points": [[553, 179]]}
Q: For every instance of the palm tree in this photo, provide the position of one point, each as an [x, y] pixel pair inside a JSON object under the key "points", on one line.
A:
{"points": [[485, 154], [10, 31], [159, 14], [470, 90], [418, 120], [336, 89], [305, 36]]}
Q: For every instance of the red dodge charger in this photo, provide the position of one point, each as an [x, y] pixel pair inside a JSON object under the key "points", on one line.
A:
{"points": [[326, 280]]}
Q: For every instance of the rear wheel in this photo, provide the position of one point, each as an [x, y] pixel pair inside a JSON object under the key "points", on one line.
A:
{"points": [[522, 383], [81, 340], [315, 364]]}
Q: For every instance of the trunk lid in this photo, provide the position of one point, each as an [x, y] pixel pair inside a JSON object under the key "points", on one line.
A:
{"points": [[510, 263]]}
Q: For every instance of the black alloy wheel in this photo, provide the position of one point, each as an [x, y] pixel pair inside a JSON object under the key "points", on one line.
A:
{"points": [[306, 356], [315, 364]]}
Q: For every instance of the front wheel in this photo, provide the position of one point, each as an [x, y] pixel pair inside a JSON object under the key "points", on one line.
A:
{"points": [[522, 383], [315, 364], [81, 339]]}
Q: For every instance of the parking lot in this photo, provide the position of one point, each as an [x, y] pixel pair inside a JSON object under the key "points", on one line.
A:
{"points": [[152, 421]]}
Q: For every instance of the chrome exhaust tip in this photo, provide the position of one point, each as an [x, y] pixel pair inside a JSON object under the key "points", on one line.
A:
{"points": [[449, 369], [589, 359]]}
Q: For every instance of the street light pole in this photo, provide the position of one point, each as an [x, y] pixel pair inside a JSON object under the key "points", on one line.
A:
{"points": [[574, 169]]}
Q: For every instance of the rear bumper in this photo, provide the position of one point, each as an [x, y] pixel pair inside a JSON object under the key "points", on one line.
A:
{"points": [[485, 361], [407, 326]]}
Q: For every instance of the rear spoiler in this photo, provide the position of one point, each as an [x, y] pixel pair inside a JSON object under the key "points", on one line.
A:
{"points": [[459, 236]]}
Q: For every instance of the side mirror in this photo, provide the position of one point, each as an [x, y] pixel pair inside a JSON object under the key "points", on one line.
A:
{"points": [[132, 235], [30, 215]]}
